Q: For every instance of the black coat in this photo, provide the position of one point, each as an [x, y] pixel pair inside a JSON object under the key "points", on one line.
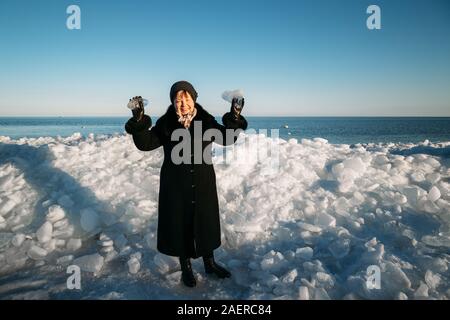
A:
{"points": [[188, 209]]}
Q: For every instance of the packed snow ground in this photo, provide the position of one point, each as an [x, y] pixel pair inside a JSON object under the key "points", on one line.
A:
{"points": [[307, 231]]}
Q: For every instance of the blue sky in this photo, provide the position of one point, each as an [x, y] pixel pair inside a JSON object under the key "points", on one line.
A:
{"points": [[303, 58]]}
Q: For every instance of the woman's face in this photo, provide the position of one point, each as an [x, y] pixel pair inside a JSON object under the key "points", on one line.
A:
{"points": [[184, 102]]}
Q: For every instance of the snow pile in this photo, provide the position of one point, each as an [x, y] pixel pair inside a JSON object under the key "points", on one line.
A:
{"points": [[307, 227]]}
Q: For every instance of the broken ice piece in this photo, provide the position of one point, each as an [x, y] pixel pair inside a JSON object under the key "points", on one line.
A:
{"points": [[90, 263]]}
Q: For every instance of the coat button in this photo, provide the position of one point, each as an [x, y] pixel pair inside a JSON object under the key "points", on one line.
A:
{"points": [[193, 186], [192, 171], [193, 201]]}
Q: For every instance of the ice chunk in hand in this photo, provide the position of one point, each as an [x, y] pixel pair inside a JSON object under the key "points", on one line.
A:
{"points": [[229, 95]]}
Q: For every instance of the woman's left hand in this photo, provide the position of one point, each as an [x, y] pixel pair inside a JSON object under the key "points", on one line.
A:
{"points": [[237, 104]]}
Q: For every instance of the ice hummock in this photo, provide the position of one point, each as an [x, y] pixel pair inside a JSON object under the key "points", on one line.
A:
{"points": [[307, 231]]}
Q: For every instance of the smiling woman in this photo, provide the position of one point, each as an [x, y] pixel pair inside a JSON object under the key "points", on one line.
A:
{"points": [[183, 96], [188, 207], [184, 103]]}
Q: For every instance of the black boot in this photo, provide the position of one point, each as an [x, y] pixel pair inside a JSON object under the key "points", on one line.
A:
{"points": [[212, 267], [186, 272]]}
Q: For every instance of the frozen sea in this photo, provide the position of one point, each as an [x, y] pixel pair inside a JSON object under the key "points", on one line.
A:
{"points": [[346, 194]]}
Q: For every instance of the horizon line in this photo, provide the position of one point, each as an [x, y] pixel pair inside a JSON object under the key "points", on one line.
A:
{"points": [[259, 116]]}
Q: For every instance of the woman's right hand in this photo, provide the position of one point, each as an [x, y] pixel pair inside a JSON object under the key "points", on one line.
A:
{"points": [[136, 104]]}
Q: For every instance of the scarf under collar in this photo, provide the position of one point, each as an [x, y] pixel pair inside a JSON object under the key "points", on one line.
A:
{"points": [[186, 119]]}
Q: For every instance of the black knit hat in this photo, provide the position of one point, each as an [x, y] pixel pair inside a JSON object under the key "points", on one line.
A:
{"points": [[182, 85]]}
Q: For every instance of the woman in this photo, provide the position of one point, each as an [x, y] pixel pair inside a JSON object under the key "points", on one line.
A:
{"points": [[188, 210]]}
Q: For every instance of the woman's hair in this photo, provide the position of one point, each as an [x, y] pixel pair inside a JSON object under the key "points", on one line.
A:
{"points": [[183, 93]]}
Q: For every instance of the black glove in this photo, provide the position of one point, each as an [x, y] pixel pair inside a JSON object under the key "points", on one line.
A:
{"points": [[237, 104], [136, 104]]}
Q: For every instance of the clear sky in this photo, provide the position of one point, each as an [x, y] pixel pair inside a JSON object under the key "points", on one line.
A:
{"points": [[304, 58]]}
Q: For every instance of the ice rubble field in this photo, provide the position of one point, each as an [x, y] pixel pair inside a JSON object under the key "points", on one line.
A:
{"points": [[307, 231]]}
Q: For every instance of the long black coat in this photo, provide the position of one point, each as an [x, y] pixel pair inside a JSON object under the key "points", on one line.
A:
{"points": [[188, 210]]}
